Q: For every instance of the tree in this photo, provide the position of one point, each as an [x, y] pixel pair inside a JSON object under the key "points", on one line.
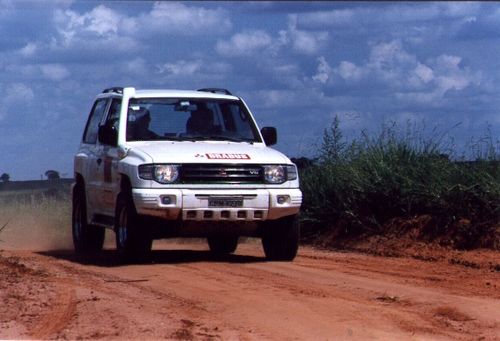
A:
{"points": [[52, 174], [5, 177]]}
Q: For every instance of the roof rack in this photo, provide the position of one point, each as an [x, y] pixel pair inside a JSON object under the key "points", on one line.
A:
{"points": [[216, 91], [116, 89]]}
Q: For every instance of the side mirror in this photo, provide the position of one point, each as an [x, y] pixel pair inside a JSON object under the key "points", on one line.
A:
{"points": [[270, 135], [108, 135]]}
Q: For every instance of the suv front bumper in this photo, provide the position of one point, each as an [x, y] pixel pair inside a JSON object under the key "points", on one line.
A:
{"points": [[193, 204]]}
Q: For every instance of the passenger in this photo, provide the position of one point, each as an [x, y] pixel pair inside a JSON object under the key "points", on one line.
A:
{"points": [[138, 126]]}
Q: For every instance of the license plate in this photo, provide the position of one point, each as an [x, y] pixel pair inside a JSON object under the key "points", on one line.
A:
{"points": [[225, 202]]}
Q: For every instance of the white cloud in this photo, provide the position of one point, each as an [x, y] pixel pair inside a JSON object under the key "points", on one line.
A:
{"points": [[445, 75], [349, 71], [197, 71], [451, 76], [448, 62], [248, 43], [19, 92], [391, 66], [388, 62], [182, 67], [274, 98], [136, 66], [28, 50], [323, 71], [384, 57], [395, 13], [106, 24], [453, 82], [305, 42], [175, 17], [103, 20], [245, 43], [328, 18], [55, 72], [99, 22], [424, 73]]}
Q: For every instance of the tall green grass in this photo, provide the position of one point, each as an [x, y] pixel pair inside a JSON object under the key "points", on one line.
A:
{"points": [[358, 186]]}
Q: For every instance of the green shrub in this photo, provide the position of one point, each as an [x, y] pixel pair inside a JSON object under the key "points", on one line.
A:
{"points": [[358, 186]]}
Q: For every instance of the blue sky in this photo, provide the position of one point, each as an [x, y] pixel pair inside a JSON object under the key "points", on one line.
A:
{"points": [[297, 65]]}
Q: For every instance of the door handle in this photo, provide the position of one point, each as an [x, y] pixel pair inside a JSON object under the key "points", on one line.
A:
{"points": [[99, 161]]}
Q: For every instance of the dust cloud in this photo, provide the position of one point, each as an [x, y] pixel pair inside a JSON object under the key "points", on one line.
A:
{"points": [[45, 226]]}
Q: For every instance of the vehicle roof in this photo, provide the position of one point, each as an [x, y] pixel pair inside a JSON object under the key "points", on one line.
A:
{"points": [[155, 93], [181, 93]]}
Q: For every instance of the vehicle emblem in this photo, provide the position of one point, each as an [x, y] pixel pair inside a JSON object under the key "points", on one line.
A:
{"points": [[222, 172]]}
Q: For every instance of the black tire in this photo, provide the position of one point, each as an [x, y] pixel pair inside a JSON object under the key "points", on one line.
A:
{"points": [[133, 235], [222, 245], [280, 239], [86, 238]]}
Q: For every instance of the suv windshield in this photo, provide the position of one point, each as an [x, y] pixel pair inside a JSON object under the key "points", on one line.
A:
{"points": [[189, 119]]}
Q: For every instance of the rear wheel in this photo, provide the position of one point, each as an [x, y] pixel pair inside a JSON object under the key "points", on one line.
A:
{"points": [[280, 239], [86, 238], [222, 245], [133, 236]]}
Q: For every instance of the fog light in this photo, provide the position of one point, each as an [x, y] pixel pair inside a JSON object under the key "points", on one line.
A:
{"points": [[167, 200], [282, 199]]}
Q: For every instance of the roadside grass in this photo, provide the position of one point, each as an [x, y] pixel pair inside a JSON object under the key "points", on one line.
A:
{"points": [[363, 186], [39, 223]]}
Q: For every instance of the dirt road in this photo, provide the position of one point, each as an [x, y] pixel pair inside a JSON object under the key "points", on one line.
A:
{"points": [[186, 294]]}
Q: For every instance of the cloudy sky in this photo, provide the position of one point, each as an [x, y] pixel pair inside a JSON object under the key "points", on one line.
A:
{"points": [[296, 64]]}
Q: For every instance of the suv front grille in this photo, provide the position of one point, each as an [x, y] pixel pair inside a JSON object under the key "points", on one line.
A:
{"points": [[221, 173]]}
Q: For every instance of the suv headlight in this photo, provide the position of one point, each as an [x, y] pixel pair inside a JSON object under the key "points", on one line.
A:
{"points": [[274, 174], [278, 174], [164, 174]]}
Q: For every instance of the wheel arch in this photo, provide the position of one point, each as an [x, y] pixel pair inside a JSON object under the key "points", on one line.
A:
{"points": [[125, 184], [124, 190], [79, 183]]}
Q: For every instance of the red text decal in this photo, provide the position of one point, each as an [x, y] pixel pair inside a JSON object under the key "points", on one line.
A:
{"points": [[227, 156]]}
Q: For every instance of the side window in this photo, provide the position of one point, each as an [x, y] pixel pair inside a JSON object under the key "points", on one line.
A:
{"points": [[236, 120], [98, 110], [114, 113]]}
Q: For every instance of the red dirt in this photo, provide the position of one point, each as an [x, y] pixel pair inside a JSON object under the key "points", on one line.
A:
{"points": [[186, 294]]}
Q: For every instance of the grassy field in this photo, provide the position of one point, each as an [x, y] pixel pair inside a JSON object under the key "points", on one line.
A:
{"points": [[39, 224], [366, 185]]}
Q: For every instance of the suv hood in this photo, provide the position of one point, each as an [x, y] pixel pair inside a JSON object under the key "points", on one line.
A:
{"points": [[209, 152]]}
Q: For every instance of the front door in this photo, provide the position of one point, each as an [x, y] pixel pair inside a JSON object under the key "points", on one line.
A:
{"points": [[109, 181], [92, 149]]}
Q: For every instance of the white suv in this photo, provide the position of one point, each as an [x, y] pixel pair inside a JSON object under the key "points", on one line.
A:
{"points": [[173, 163]]}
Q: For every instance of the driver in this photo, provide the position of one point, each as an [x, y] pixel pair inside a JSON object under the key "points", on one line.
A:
{"points": [[201, 122]]}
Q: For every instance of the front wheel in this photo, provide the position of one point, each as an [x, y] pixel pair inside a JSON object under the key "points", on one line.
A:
{"points": [[133, 238], [86, 238], [222, 245], [280, 238]]}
